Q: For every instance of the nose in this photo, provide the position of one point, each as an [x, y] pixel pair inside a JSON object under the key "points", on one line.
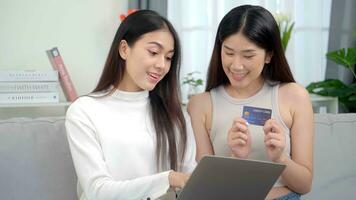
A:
{"points": [[237, 61], [161, 62], [237, 64]]}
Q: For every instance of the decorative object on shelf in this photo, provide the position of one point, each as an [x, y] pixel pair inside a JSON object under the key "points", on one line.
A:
{"points": [[346, 94], [39, 97], [129, 11], [57, 63], [192, 82], [28, 75], [28, 87], [285, 28]]}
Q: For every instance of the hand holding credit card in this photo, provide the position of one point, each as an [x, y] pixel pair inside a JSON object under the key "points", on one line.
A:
{"points": [[255, 115]]}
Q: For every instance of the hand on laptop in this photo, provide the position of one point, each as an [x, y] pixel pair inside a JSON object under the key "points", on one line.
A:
{"points": [[178, 179], [239, 138]]}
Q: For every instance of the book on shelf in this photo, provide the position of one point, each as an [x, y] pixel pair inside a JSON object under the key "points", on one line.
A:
{"points": [[28, 75], [12, 87], [57, 63], [39, 97]]}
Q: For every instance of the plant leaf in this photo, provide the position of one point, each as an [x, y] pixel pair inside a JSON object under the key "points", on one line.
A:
{"points": [[353, 86], [287, 35], [338, 57], [344, 57], [336, 88], [352, 98], [330, 87], [351, 56]]}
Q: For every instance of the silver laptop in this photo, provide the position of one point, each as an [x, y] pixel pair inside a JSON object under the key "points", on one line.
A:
{"points": [[230, 178]]}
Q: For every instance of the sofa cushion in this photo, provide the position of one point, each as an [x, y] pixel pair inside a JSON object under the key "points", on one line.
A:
{"points": [[334, 157], [35, 160]]}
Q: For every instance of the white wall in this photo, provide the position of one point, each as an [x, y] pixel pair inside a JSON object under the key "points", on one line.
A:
{"points": [[82, 30]]}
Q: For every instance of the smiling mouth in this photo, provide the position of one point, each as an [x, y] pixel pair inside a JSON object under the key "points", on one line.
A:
{"points": [[238, 75], [154, 76]]}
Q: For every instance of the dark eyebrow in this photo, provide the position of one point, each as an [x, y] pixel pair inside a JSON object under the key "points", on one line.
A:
{"points": [[248, 51], [160, 45], [243, 51], [229, 48]]}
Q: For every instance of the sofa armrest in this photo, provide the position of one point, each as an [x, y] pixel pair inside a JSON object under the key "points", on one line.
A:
{"points": [[35, 160], [334, 157]]}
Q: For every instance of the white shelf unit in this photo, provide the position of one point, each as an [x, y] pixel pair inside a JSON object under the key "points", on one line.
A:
{"points": [[323, 104], [22, 105], [33, 110]]}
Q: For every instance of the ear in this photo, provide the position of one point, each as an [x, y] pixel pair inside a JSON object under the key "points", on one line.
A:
{"points": [[268, 58], [123, 49]]}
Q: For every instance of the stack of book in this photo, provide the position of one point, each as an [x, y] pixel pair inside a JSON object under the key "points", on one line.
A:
{"points": [[29, 86], [33, 86]]}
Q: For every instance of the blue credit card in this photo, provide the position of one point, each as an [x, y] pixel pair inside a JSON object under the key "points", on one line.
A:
{"points": [[256, 116]]}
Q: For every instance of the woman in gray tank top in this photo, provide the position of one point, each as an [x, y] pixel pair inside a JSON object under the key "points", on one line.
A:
{"points": [[248, 69]]}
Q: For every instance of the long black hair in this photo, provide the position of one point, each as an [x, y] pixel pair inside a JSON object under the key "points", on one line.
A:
{"points": [[259, 26], [165, 98]]}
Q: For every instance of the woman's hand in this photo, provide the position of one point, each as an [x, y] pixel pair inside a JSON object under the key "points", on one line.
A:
{"points": [[177, 179], [275, 140], [239, 138]]}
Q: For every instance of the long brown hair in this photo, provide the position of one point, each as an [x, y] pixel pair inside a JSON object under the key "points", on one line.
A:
{"points": [[165, 106], [260, 27]]}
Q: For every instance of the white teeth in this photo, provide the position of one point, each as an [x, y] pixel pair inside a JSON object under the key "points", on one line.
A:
{"points": [[239, 74]]}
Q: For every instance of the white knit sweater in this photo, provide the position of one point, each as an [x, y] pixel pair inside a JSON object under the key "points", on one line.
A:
{"points": [[113, 145]]}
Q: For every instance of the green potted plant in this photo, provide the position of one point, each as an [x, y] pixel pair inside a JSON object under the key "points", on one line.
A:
{"points": [[285, 28], [192, 82], [346, 93]]}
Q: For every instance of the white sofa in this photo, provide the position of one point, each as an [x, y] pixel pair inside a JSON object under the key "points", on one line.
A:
{"points": [[35, 161], [334, 157]]}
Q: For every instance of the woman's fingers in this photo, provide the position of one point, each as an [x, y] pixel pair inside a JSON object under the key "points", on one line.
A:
{"points": [[275, 139], [271, 125], [239, 135], [237, 142], [239, 126], [275, 143]]}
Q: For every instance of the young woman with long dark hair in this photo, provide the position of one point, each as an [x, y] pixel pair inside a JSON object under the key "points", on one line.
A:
{"points": [[248, 68], [129, 138]]}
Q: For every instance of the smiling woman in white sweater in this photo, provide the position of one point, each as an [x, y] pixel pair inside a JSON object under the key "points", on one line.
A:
{"points": [[129, 138]]}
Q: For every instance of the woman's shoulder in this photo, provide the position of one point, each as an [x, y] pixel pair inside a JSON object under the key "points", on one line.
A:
{"points": [[200, 97], [81, 101], [199, 102], [81, 105], [294, 94], [293, 90]]}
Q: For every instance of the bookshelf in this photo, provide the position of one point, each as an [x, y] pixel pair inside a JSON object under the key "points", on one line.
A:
{"points": [[33, 110], [35, 93], [24, 105]]}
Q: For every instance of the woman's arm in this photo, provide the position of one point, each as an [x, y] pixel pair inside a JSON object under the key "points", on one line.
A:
{"points": [[199, 109], [93, 175], [298, 174]]}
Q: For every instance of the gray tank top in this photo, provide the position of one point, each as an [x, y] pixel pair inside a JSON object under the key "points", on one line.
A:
{"points": [[225, 108]]}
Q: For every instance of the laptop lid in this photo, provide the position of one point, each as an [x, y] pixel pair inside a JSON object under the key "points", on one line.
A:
{"points": [[231, 178]]}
